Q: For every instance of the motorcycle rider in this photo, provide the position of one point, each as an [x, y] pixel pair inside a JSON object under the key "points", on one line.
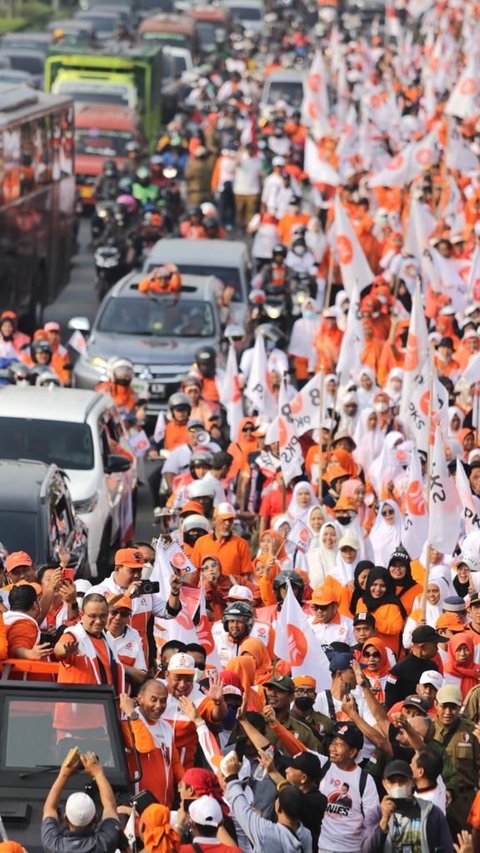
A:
{"points": [[119, 386], [106, 185], [61, 361], [300, 259], [144, 190], [205, 368], [193, 227], [11, 340], [275, 274], [132, 150]]}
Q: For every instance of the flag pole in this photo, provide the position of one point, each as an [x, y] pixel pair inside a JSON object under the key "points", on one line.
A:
{"points": [[328, 293], [320, 414], [429, 475]]}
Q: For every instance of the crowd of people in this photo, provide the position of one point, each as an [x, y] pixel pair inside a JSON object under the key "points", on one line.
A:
{"points": [[301, 671]]}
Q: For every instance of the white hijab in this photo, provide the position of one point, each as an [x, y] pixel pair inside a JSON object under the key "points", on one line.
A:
{"points": [[296, 512], [321, 560], [369, 441], [385, 538]]}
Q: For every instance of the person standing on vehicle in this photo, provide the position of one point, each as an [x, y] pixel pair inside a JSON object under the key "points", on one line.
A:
{"points": [[126, 579], [127, 641]]}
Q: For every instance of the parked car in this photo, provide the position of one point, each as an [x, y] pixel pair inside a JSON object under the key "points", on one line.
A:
{"points": [[159, 333], [227, 260], [29, 39], [80, 432], [37, 514], [26, 59]]}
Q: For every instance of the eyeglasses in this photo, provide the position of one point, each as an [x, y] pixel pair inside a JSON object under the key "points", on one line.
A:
{"points": [[320, 606], [248, 429], [372, 655], [304, 691], [386, 512]]}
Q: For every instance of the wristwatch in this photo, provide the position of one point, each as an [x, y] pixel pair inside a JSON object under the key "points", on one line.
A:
{"points": [[133, 716]]}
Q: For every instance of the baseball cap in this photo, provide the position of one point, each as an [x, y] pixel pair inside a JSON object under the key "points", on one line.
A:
{"points": [[123, 603], [323, 596], [305, 681], [17, 559], [345, 504], [307, 763], [474, 599], [414, 701], [454, 604], [182, 663], [349, 733], [232, 690], [278, 161], [450, 621], [196, 521], [79, 809], [397, 768], [225, 510], [192, 507], [82, 586], [281, 682], [132, 558], [472, 563], [340, 661], [52, 326], [206, 811], [349, 542], [426, 634], [449, 694], [364, 619], [237, 592], [431, 676]]}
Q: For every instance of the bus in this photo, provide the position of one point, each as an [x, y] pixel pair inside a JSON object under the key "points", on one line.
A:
{"points": [[37, 199]]}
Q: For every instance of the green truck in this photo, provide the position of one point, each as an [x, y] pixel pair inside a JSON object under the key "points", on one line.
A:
{"points": [[132, 78]]}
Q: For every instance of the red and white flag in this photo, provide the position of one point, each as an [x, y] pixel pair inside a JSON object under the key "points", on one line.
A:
{"points": [[315, 106], [231, 396], [169, 558], [295, 642], [462, 102], [300, 536], [258, 389], [444, 506], [139, 442], [77, 342], [317, 169], [291, 457], [397, 171], [417, 350], [353, 341], [354, 266], [415, 523]]}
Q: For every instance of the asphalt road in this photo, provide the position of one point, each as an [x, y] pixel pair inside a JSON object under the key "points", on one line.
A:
{"points": [[80, 298]]}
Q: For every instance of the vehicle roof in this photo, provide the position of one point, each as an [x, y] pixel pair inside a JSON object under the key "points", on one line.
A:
{"points": [[116, 117], [245, 4], [167, 23], [286, 74], [29, 35], [23, 99], [71, 405], [90, 14], [15, 75], [209, 13], [14, 50], [193, 287], [19, 478], [224, 252], [70, 26]]}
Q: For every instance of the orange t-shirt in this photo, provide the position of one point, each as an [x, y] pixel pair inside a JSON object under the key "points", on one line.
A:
{"points": [[21, 635], [233, 554], [175, 434]]}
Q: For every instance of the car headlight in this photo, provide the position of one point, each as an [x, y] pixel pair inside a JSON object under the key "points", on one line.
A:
{"points": [[87, 505], [98, 363]]}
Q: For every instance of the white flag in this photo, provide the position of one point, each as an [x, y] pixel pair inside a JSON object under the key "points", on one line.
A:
{"points": [[169, 558], [353, 341], [415, 523], [139, 442], [291, 457], [473, 283], [315, 106], [417, 350], [304, 407], [258, 389], [444, 507], [462, 101], [231, 396], [470, 503], [77, 342], [318, 170], [159, 431], [351, 257], [472, 371], [296, 643], [300, 536]]}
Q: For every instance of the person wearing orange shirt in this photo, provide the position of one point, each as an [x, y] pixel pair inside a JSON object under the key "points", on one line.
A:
{"points": [[176, 430], [61, 362], [328, 341], [153, 739], [393, 353], [23, 633], [380, 599], [119, 386], [291, 220], [445, 363], [206, 369], [231, 550]]}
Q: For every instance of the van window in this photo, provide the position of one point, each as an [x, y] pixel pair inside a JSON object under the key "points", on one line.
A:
{"points": [[290, 91], [67, 445]]}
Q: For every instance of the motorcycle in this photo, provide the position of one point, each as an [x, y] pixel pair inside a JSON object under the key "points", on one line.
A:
{"points": [[302, 287], [270, 305], [103, 216], [110, 265]]}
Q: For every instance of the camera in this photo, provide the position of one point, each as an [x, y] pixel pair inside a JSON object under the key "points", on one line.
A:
{"points": [[148, 587]]}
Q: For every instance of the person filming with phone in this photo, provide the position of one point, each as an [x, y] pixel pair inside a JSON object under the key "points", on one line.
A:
{"points": [[126, 579]]}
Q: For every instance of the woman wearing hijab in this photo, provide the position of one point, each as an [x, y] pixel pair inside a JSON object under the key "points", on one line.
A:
{"points": [[301, 347], [437, 591], [259, 652], [355, 489], [376, 666], [245, 667], [460, 668], [462, 582], [368, 438], [367, 387], [303, 499], [386, 533], [158, 836], [360, 578], [379, 598], [245, 443], [455, 420], [315, 519], [321, 560], [400, 571]]}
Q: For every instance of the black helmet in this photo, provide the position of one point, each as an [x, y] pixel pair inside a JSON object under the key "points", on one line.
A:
{"points": [[201, 457], [110, 169], [41, 346], [179, 399], [270, 332], [279, 249], [195, 211], [238, 610], [205, 355], [19, 374], [288, 575]]}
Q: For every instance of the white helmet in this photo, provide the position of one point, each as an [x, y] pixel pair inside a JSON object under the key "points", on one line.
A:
{"points": [[201, 489]]}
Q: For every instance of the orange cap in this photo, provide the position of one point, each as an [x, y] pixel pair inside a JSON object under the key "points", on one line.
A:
{"points": [[450, 621], [130, 557], [124, 602], [323, 596], [192, 506], [17, 559], [345, 504], [305, 681], [333, 471]]}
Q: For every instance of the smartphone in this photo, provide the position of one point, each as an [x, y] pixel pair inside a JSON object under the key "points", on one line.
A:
{"points": [[348, 688], [68, 575], [142, 800]]}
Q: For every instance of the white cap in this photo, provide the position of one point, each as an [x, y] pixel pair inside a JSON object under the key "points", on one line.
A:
{"points": [[201, 489], [472, 563], [82, 586], [225, 510], [240, 593], [431, 676], [205, 811], [182, 663], [79, 809], [278, 161], [196, 522]]}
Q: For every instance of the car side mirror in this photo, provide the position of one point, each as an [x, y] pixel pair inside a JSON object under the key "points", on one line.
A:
{"points": [[117, 464], [79, 324]]}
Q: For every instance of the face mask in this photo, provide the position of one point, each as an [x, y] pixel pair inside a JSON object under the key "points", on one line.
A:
{"points": [[123, 382], [400, 792], [309, 315], [300, 250], [304, 703], [229, 718], [343, 520]]}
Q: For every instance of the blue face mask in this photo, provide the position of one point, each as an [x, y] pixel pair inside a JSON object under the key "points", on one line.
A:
{"points": [[309, 315], [229, 719]]}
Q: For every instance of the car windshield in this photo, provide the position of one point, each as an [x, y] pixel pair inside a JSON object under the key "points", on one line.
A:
{"points": [[85, 720], [291, 92], [19, 530], [32, 64], [161, 317], [207, 31], [67, 445], [105, 143]]}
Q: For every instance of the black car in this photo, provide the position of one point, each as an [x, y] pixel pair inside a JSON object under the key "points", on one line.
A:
{"points": [[37, 514]]}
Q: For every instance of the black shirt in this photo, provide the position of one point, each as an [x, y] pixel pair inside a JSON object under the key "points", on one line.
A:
{"points": [[404, 677]]}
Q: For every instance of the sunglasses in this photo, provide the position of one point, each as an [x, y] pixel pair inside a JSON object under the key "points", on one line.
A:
{"points": [[248, 429], [386, 512], [320, 606], [372, 655]]}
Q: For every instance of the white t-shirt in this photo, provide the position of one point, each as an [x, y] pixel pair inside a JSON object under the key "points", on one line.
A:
{"points": [[340, 631], [344, 819]]}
